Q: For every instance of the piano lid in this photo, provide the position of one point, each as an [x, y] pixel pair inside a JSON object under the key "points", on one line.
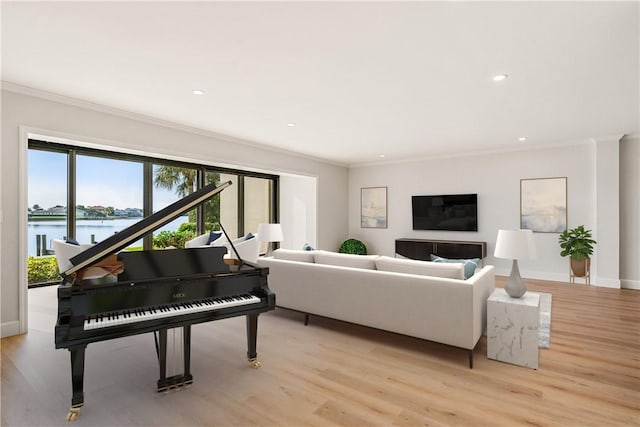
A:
{"points": [[130, 234]]}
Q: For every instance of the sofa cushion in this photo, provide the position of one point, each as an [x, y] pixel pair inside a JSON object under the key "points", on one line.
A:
{"points": [[293, 255], [213, 236], [469, 265], [346, 260], [423, 268]]}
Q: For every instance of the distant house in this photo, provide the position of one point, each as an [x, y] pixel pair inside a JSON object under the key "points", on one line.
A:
{"points": [[81, 213], [133, 212], [55, 211]]}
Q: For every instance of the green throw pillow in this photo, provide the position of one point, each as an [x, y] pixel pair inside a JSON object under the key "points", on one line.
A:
{"points": [[469, 264]]}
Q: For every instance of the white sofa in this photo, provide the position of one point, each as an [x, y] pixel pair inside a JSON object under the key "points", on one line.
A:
{"points": [[65, 251], [203, 240], [248, 249], [421, 299]]}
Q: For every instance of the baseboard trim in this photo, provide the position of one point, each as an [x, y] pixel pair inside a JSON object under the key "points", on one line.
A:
{"points": [[9, 329], [602, 282], [630, 284], [606, 282]]}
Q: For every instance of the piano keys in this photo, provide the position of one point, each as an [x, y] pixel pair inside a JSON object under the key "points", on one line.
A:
{"points": [[155, 291], [136, 315]]}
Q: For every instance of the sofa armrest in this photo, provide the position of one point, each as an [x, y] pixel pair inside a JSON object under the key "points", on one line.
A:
{"points": [[483, 282], [201, 240]]}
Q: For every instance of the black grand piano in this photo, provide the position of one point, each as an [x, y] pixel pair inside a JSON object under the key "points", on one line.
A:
{"points": [[154, 291]]}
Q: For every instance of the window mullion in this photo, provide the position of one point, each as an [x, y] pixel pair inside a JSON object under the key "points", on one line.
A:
{"points": [[147, 201], [71, 194]]}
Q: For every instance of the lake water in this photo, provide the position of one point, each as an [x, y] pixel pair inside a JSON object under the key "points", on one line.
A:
{"points": [[57, 229]]}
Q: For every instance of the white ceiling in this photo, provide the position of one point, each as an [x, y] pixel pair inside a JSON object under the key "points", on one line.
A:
{"points": [[403, 79]]}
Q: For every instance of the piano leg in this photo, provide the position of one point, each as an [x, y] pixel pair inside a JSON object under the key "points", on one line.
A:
{"points": [[77, 381], [252, 338], [175, 381], [186, 335], [161, 349]]}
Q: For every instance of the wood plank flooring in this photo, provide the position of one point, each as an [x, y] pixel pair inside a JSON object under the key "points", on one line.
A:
{"points": [[331, 373]]}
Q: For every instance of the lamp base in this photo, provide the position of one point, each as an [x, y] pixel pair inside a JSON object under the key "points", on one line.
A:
{"points": [[514, 286], [269, 252]]}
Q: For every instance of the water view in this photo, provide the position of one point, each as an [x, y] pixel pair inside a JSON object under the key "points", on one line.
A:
{"points": [[100, 229]]}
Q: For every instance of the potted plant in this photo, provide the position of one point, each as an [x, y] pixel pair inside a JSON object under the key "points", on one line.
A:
{"points": [[578, 245], [353, 246]]}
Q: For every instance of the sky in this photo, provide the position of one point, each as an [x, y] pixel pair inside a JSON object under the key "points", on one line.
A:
{"points": [[105, 182]]}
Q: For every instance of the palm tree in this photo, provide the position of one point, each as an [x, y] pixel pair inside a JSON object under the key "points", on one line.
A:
{"points": [[183, 181], [170, 177]]}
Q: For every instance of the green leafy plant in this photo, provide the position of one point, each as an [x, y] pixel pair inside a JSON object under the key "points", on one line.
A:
{"points": [[42, 270], [176, 239], [353, 246], [188, 226], [576, 243]]}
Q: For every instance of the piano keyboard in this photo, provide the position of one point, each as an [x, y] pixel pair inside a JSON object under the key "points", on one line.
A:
{"points": [[105, 320]]}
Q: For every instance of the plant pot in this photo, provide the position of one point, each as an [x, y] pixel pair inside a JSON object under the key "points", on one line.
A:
{"points": [[580, 268]]}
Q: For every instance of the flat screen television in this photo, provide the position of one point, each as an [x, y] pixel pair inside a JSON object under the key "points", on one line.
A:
{"points": [[451, 212]]}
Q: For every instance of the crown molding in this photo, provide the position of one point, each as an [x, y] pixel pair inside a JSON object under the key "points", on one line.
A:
{"points": [[479, 153], [80, 103], [50, 96]]}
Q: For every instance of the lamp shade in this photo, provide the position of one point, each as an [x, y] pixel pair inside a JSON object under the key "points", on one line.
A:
{"points": [[515, 244], [270, 233]]}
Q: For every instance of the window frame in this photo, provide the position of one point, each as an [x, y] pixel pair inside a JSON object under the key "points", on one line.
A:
{"points": [[148, 161]]}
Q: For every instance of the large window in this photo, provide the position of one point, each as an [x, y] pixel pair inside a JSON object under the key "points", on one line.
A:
{"points": [[228, 206], [257, 196], [109, 191], [170, 184], [108, 197], [47, 212]]}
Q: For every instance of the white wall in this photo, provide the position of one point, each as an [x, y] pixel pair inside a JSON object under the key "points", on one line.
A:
{"points": [[607, 227], [297, 211], [49, 114], [496, 179], [630, 212]]}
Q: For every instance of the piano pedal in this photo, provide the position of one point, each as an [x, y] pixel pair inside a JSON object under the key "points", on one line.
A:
{"points": [[255, 363], [73, 413], [174, 383]]}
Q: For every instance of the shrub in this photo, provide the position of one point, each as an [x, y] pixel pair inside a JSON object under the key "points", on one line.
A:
{"points": [[353, 246], [42, 270], [166, 238], [188, 226], [211, 226]]}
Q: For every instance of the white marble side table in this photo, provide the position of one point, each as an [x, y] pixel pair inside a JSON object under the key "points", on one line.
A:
{"points": [[512, 328]]}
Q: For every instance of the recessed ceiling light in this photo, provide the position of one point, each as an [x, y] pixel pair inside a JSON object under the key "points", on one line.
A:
{"points": [[197, 92], [382, 156], [499, 77], [291, 124], [522, 138]]}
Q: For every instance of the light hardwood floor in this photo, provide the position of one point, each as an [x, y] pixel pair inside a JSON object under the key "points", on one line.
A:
{"points": [[333, 373]]}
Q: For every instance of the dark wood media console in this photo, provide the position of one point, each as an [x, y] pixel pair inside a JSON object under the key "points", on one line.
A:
{"points": [[422, 249]]}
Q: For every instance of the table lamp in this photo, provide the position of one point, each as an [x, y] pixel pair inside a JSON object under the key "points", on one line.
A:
{"points": [[515, 245], [270, 233]]}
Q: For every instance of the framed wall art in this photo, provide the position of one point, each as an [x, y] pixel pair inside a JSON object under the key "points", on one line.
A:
{"points": [[373, 207], [543, 204]]}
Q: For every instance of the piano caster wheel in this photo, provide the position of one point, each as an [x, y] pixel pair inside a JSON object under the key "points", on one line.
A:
{"points": [[73, 414], [254, 363]]}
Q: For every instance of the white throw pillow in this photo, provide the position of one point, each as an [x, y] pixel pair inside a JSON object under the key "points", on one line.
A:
{"points": [[293, 255], [346, 260], [423, 268]]}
